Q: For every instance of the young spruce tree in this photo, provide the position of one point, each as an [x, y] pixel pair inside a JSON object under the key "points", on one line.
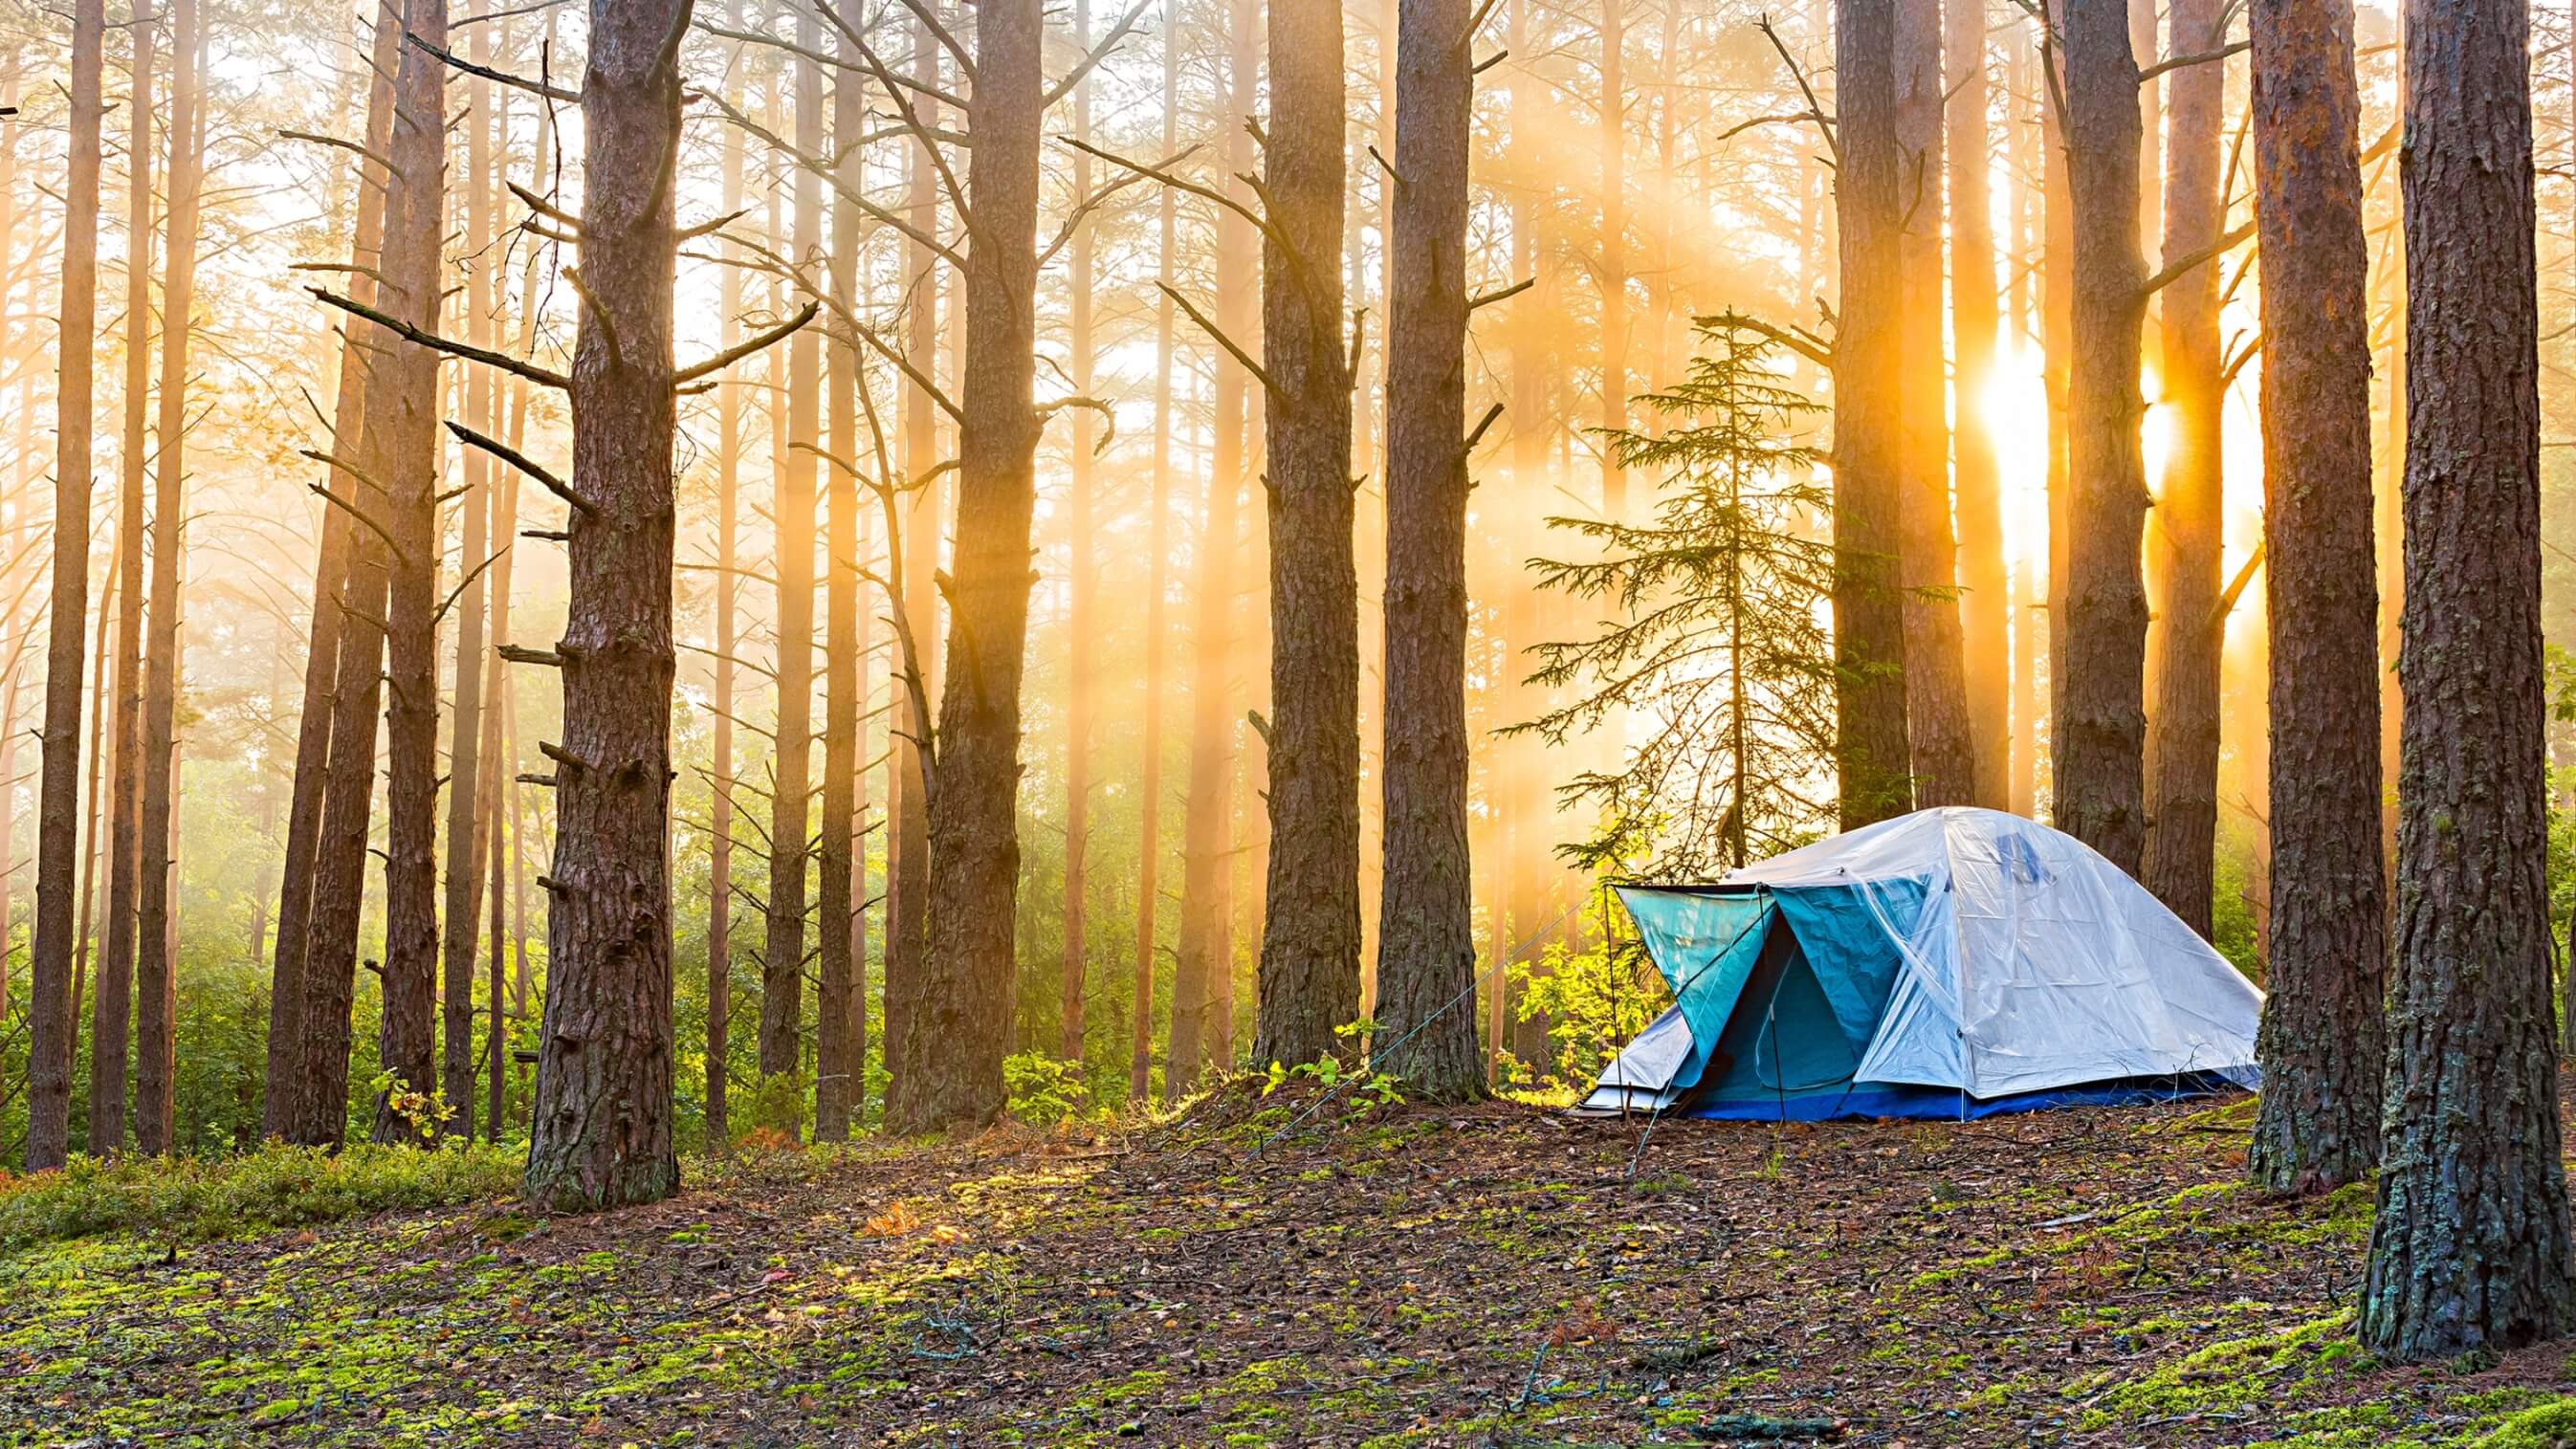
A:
{"points": [[1717, 604]]}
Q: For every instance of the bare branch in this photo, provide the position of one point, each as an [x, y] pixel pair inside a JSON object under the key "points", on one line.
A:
{"points": [[2150, 72], [745, 348], [1125, 27], [1487, 299], [1217, 335], [538, 88], [524, 464], [426, 338]]}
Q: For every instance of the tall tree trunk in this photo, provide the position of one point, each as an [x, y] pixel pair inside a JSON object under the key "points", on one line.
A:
{"points": [[1206, 951], [602, 1131], [907, 800], [729, 425], [156, 981], [1149, 787], [1984, 605], [966, 1008], [2100, 738], [1081, 577], [331, 582], [2470, 1248], [465, 783], [1869, 631], [840, 997], [2057, 340], [51, 1028], [402, 451], [2323, 1024], [1310, 938], [2190, 513], [1938, 734], [1614, 257], [782, 973], [1427, 931], [111, 999]]}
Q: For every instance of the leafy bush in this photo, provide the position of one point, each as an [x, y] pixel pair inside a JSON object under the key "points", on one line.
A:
{"points": [[1594, 1000], [263, 1191], [1045, 1090]]}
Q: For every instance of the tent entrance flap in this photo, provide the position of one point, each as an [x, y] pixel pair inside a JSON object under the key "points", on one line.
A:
{"points": [[1704, 944]]}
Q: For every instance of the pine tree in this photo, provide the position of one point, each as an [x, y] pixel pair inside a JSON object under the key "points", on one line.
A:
{"points": [[1718, 598]]}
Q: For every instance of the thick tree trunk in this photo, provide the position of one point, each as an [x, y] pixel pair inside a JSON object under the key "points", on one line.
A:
{"points": [[2323, 1025], [840, 996], [1869, 630], [2100, 737], [320, 1097], [2470, 1248], [156, 980], [1939, 740], [1205, 958], [602, 1130], [782, 971], [331, 577], [1427, 932], [465, 782], [1310, 940], [402, 451], [2190, 513], [962, 1028], [1984, 606], [51, 1028], [111, 1001]]}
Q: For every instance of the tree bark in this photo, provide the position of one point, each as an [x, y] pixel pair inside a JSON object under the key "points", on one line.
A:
{"points": [[1939, 743], [1869, 630], [1206, 947], [1426, 931], [2470, 1248], [602, 1130], [1081, 581], [331, 581], [111, 1020], [2100, 737], [1149, 787], [465, 782], [156, 980], [729, 425], [907, 798], [2185, 641], [1984, 606], [840, 997], [1310, 940], [51, 1030], [403, 454], [962, 1027], [2323, 1025], [782, 970]]}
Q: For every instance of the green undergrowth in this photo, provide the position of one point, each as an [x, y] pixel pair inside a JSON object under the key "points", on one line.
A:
{"points": [[276, 1187], [2236, 1374]]}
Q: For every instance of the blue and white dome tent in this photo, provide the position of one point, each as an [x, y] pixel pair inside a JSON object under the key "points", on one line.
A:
{"points": [[1949, 963]]}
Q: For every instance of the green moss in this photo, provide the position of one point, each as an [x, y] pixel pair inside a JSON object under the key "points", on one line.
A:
{"points": [[2547, 1426], [2235, 1373]]}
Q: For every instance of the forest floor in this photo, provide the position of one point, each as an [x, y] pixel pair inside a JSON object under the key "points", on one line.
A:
{"points": [[1382, 1276]]}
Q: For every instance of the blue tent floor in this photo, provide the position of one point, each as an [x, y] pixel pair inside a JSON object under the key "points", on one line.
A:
{"points": [[1893, 1099]]}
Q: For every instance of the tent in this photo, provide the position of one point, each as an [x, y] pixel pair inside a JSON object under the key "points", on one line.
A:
{"points": [[1949, 963]]}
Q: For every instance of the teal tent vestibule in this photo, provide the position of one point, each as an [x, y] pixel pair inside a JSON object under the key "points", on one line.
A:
{"points": [[1948, 963]]}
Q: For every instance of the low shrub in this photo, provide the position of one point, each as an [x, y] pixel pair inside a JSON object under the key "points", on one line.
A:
{"points": [[272, 1188]]}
